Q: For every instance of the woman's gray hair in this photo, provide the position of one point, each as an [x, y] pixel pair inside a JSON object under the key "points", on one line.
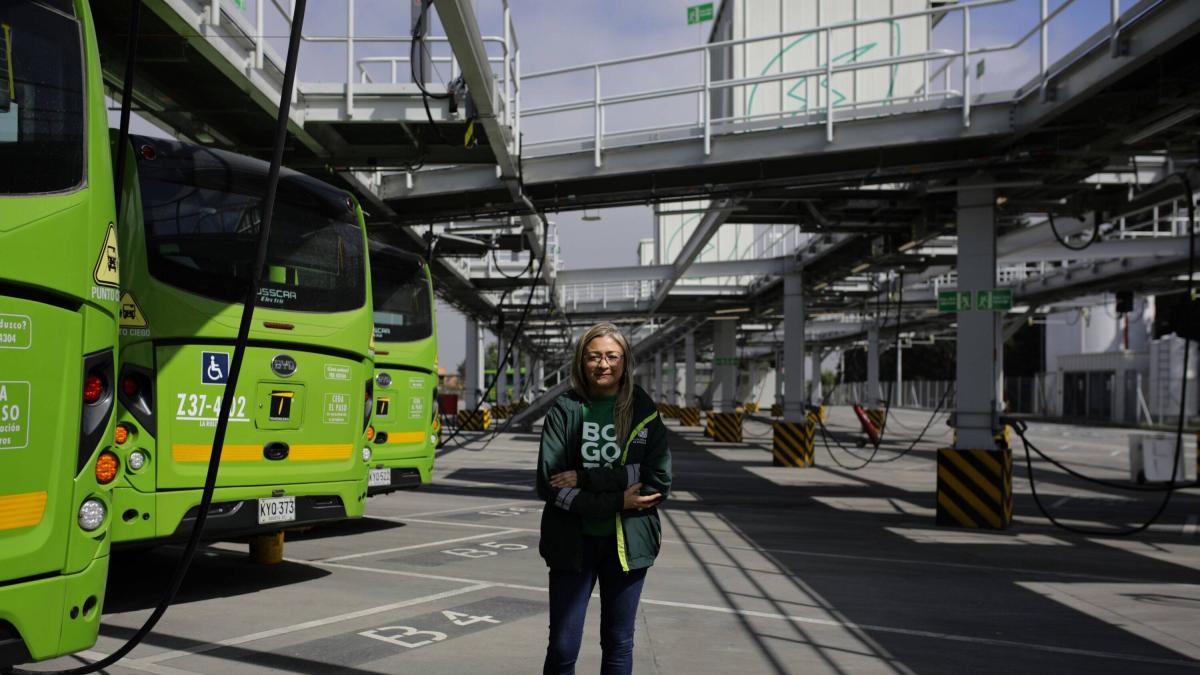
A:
{"points": [[623, 409]]}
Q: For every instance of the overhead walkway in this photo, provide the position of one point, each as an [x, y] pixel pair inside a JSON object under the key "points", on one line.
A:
{"points": [[867, 186], [935, 134]]}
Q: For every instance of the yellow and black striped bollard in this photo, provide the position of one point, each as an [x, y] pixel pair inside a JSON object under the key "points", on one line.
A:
{"points": [[689, 417], [475, 420], [792, 443], [724, 427], [974, 488]]}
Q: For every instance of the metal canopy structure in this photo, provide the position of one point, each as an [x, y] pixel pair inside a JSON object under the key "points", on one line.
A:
{"points": [[852, 193]]}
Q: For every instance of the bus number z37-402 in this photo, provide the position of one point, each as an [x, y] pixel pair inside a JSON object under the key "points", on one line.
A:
{"points": [[203, 407]]}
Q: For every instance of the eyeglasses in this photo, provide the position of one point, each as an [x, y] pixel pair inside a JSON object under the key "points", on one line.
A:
{"points": [[594, 358]]}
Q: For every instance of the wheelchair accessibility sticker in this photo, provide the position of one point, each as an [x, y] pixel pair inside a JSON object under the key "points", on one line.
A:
{"points": [[214, 367]]}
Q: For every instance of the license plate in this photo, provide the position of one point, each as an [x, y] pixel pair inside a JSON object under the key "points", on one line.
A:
{"points": [[379, 477], [276, 510]]}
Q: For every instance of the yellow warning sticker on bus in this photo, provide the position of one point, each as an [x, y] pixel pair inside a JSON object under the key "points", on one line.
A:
{"points": [[107, 272], [131, 313]]}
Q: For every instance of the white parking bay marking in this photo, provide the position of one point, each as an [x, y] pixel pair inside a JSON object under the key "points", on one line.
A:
{"points": [[870, 628], [367, 554], [315, 623]]}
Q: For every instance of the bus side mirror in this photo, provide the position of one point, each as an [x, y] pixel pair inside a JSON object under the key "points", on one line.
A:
{"points": [[8, 88]]}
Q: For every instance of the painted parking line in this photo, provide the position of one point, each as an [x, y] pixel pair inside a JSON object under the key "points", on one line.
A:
{"points": [[395, 636], [412, 547], [95, 656], [306, 625], [869, 628], [481, 507], [498, 531], [453, 523]]}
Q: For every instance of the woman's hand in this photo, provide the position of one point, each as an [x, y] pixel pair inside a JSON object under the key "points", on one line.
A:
{"points": [[635, 501], [566, 479]]}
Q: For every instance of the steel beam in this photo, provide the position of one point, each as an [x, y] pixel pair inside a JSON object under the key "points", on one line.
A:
{"points": [[718, 213], [462, 30], [793, 348]]}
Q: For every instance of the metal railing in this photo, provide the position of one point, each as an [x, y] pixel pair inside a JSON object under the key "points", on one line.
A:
{"points": [[941, 61], [262, 57]]}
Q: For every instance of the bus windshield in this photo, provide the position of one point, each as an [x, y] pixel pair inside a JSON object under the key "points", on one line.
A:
{"points": [[202, 224], [41, 98], [400, 290]]}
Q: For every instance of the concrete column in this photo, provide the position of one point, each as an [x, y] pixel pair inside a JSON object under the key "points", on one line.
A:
{"points": [[724, 366], [898, 392], [814, 358], [516, 366], [978, 332], [539, 376], [472, 383], [872, 397], [657, 386], [672, 379], [689, 369], [778, 377], [501, 371], [793, 347]]}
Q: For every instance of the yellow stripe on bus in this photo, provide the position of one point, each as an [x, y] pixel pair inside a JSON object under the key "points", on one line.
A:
{"points": [[308, 453], [187, 452], [23, 510], [406, 437]]}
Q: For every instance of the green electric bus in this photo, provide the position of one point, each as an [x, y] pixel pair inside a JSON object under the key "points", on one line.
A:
{"points": [[59, 275], [404, 428], [296, 451]]}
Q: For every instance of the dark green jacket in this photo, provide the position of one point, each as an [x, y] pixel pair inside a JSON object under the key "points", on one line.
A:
{"points": [[600, 492]]}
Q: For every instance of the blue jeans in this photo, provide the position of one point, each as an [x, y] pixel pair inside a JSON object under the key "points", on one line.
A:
{"points": [[569, 594]]}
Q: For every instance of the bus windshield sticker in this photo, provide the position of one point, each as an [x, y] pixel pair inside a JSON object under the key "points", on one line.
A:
{"points": [[14, 415], [335, 372], [337, 408], [131, 312], [16, 331], [214, 367], [107, 272], [275, 296]]}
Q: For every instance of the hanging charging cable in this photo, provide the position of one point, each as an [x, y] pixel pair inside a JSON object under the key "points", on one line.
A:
{"points": [[239, 351], [1172, 485], [503, 362]]}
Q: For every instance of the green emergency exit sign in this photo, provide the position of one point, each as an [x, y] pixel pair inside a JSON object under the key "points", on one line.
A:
{"points": [[990, 300], [726, 361], [954, 301], [994, 300], [700, 13]]}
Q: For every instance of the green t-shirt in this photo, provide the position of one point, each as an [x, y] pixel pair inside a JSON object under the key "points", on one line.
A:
{"points": [[599, 448]]}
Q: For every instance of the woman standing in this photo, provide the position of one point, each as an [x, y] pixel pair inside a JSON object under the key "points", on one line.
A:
{"points": [[603, 468]]}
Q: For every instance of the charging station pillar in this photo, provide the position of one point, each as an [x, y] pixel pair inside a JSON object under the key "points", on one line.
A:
{"points": [[974, 478]]}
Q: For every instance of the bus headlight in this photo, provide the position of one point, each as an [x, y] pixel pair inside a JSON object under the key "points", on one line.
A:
{"points": [[366, 454], [136, 460], [91, 514]]}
